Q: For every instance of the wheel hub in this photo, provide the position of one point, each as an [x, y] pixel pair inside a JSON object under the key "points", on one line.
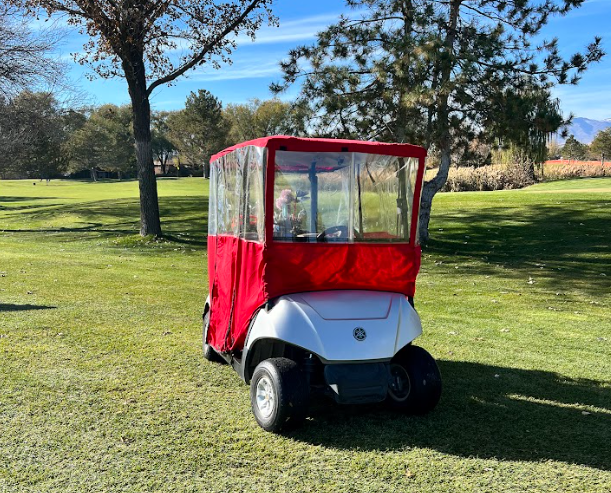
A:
{"points": [[400, 386], [266, 397]]}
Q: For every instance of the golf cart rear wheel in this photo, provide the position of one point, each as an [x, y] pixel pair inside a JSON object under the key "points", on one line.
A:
{"points": [[209, 353], [416, 381], [279, 394]]}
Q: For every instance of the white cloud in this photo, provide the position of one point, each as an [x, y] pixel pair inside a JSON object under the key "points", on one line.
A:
{"points": [[295, 30], [241, 69]]}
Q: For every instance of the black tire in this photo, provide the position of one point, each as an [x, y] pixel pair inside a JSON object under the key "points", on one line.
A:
{"points": [[416, 379], [209, 353], [279, 395]]}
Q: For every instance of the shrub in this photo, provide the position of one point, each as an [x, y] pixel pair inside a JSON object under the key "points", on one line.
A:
{"points": [[512, 176], [487, 178], [563, 170]]}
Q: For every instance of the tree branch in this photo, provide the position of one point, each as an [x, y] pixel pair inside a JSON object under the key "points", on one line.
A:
{"points": [[195, 60]]}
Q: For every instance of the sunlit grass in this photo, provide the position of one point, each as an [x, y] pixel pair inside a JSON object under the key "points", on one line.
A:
{"points": [[103, 387]]}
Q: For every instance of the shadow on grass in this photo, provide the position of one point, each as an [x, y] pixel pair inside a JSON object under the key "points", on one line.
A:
{"points": [[4, 307], [102, 180], [485, 412], [17, 206], [184, 219], [555, 243], [21, 198]]}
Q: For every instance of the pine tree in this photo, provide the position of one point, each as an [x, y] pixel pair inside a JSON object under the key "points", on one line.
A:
{"points": [[573, 149], [601, 145], [439, 73]]}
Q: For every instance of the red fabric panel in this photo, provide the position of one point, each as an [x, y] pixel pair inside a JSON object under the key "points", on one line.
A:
{"points": [[235, 269], [294, 267], [244, 275]]}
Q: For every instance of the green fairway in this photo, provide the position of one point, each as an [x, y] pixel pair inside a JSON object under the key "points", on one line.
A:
{"points": [[103, 387]]}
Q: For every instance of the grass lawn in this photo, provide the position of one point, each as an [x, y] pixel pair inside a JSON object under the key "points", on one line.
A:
{"points": [[103, 386]]}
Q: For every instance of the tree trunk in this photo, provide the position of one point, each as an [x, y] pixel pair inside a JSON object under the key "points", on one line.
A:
{"points": [[529, 169], [443, 123], [141, 109], [431, 188]]}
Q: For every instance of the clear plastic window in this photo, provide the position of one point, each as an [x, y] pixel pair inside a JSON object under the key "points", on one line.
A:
{"points": [[384, 196], [343, 197], [252, 220], [212, 202], [237, 194]]}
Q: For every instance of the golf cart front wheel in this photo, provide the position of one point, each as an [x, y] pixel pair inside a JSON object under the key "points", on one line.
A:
{"points": [[415, 381], [279, 394]]}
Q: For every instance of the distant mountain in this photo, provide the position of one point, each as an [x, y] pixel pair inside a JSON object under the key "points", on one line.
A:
{"points": [[585, 129]]}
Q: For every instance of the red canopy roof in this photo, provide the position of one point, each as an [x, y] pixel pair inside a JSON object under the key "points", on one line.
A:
{"points": [[328, 145]]}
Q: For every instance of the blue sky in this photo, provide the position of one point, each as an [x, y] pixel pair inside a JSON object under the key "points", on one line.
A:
{"points": [[256, 64]]}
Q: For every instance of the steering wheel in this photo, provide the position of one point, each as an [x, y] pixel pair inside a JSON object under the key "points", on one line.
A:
{"points": [[335, 232]]}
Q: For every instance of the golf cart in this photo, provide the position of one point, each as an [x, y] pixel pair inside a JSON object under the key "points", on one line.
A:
{"points": [[312, 261]]}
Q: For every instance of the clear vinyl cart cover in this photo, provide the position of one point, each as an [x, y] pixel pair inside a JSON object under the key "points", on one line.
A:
{"points": [[291, 215]]}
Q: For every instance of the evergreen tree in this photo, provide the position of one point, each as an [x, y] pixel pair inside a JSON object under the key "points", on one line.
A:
{"points": [[199, 130], [438, 73], [601, 145], [573, 149]]}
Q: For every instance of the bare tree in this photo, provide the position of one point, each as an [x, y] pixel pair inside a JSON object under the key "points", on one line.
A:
{"points": [[150, 43], [25, 59]]}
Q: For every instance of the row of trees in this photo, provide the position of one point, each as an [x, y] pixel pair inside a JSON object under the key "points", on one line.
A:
{"points": [[42, 139], [205, 126], [137, 40], [599, 149]]}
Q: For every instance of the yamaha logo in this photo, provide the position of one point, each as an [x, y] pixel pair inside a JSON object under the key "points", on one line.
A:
{"points": [[359, 334]]}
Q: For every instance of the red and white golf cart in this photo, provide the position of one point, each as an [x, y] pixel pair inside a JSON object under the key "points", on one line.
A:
{"points": [[313, 257]]}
